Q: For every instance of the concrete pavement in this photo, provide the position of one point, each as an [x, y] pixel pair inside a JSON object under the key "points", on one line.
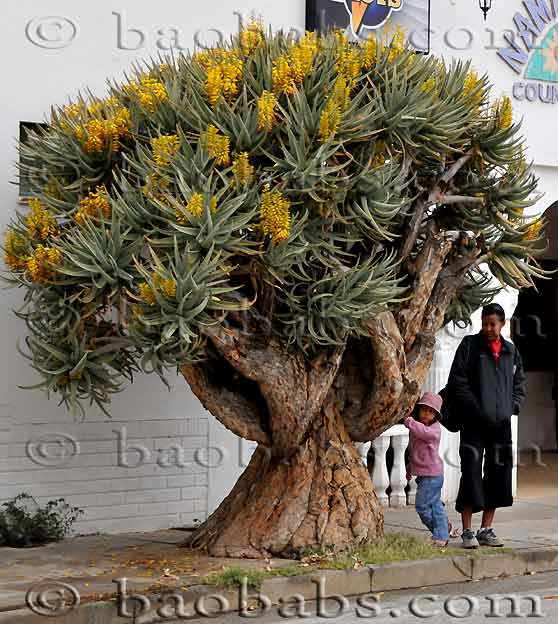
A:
{"points": [[152, 563]]}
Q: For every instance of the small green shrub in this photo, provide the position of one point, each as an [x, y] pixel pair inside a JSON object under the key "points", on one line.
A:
{"points": [[24, 523]]}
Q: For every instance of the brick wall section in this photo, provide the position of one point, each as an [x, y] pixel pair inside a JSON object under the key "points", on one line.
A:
{"points": [[156, 477]]}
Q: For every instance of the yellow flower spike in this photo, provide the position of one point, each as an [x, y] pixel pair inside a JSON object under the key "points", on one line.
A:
{"points": [[95, 203], [14, 251], [282, 74], [118, 127], [40, 223], [503, 111], [243, 171], [336, 103], [369, 52], [429, 86], [213, 204], [218, 145], [41, 265], [194, 206], [214, 84], [168, 288], [349, 64], [146, 293], [291, 69], [469, 85], [164, 148], [267, 105], [380, 156], [94, 135], [329, 121], [251, 37], [275, 216], [149, 92], [534, 230]]}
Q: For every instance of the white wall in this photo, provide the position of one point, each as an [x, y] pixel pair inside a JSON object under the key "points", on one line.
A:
{"points": [[115, 498]]}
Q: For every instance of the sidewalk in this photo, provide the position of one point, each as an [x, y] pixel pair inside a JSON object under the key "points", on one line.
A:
{"points": [[152, 562]]}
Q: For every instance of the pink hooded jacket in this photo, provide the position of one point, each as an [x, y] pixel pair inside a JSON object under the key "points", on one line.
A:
{"points": [[425, 442]]}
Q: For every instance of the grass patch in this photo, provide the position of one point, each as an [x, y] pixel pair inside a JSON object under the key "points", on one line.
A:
{"points": [[395, 547], [391, 548], [231, 578]]}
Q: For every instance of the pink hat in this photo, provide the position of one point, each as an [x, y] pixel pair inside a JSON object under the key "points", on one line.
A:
{"points": [[431, 400]]}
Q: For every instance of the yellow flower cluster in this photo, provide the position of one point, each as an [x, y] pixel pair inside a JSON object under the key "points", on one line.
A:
{"points": [[503, 111], [267, 105], [218, 145], [72, 109], [195, 207], [534, 230], [275, 215], [380, 154], [91, 206], [40, 223], [251, 37], [397, 46], [329, 120], [224, 73], [429, 86], [96, 133], [164, 148], [118, 127], [291, 69], [40, 265], [149, 92], [147, 293], [470, 84], [336, 103], [14, 251], [165, 286], [369, 52], [242, 170], [349, 64]]}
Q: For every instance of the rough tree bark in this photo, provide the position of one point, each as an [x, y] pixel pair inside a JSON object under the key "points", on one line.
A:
{"points": [[306, 485], [320, 496]]}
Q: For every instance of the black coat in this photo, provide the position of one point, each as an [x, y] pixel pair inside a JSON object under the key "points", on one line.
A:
{"points": [[483, 389]]}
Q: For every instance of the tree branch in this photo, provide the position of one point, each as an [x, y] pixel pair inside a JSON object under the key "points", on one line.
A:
{"points": [[389, 365], [234, 411], [428, 265], [458, 199], [422, 205], [280, 374]]}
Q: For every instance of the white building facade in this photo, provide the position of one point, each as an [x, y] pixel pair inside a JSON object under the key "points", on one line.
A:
{"points": [[162, 460]]}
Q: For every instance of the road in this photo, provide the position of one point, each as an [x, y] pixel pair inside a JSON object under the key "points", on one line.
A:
{"points": [[472, 602]]}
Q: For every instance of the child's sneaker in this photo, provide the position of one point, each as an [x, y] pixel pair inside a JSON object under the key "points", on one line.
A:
{"points": [[469, 539], [487, 537]]}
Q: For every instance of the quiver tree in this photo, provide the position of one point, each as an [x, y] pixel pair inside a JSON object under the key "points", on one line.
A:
{"points": [[288, 222]]}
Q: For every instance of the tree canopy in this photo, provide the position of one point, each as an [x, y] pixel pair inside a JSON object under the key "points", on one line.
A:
{"points": [[291, 190]]}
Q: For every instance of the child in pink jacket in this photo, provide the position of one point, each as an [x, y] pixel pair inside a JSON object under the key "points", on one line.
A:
{"points": [[426, 465]]}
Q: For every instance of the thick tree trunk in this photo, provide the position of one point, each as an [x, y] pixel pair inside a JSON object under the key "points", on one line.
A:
{"points": [[320, 496]]}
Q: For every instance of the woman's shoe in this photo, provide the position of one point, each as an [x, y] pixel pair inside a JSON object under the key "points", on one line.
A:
{"points": [[438, 543]]}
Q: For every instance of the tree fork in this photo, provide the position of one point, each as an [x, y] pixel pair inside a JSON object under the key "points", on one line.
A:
{"points": [[320, 497]]}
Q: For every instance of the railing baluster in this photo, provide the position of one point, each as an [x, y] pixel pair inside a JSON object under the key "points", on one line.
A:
{"points": [[380, 476], [399, 442]]}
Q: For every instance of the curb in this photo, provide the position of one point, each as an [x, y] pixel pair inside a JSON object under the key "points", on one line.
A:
{"points": [[202, 600]]}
